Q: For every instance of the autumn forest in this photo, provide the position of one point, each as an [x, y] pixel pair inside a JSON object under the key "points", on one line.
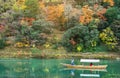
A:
{"points": [[72, 25]]}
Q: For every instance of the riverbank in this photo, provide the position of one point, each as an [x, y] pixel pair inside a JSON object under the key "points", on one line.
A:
{"points": [[11, 52]]}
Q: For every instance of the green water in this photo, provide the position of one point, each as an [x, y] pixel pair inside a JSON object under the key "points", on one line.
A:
{"points": [[51, 68]]}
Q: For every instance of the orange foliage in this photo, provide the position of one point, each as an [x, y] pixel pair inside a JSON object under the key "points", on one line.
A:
{"points": [[111, 2], [28, 20], [1, 27], [72, 42], [55, 13], [87, 15], [20, 2], [100, 13], [42, 5]]}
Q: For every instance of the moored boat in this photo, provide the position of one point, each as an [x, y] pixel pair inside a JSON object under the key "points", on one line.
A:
{"points": [[85, 66]]}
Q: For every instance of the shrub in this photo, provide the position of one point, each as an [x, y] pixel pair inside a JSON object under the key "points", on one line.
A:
{"points": [[27, 35], [33, 35], [108, 38], [80, 38], [19, 5], [35, 50], [72, 33], [2, 43], [43, 26], [32, 8], [71, 23], [117, 3], [6, 5], [55, 42], [102, 25], [115, 27], [111, 14]]}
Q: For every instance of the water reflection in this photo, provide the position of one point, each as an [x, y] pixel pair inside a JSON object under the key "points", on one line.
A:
{"points": [[84, 73], [112, 71], [72, 72], [3, 68]]}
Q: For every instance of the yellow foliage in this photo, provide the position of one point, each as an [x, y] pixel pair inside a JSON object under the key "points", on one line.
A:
{"points": [[55, 13], [93, 43], [47, 45], [19, 5], [111, 2], [107, 36], [41, 5], [21, 44], [79, 48]]}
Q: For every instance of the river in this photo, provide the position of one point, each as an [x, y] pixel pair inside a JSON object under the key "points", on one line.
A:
{"points": [[51, 68]]}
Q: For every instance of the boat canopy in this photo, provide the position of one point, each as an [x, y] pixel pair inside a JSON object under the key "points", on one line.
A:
{"points": [[89, 60], [90, 75]]}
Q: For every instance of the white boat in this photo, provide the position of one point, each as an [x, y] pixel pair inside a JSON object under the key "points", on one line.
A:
{"points": [[86, 66]]}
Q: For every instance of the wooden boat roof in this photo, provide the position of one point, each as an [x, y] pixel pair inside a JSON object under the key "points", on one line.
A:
{"points": [[89, 60]]}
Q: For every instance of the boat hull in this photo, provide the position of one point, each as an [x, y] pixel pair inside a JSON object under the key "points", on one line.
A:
{"points": [[85, 66]]}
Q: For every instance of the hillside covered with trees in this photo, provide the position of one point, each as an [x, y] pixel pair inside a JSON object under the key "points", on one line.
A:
{"points": [[73, 25]]}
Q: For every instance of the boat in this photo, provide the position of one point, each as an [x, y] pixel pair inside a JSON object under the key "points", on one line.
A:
{"points": [[99, 70], [86, 66]]}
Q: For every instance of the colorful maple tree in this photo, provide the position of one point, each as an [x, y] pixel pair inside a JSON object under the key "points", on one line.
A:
{"points": [[87, 15], [55, 13]]}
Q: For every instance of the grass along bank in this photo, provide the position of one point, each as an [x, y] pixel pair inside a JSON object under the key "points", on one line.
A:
{"points": [[11, 52]]}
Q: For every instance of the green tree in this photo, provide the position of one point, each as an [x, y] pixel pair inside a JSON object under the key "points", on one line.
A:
{"points": [[80, 38], [111, 14], [117, 3], [115, 27], [32, 8]]}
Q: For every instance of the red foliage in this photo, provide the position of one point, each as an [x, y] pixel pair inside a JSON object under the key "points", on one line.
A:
{"points": [[28, 20], [2, 27], [72, 41], [101, 13]]}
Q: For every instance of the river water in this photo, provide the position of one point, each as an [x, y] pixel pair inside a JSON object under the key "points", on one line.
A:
{"points": [[51, 68]]}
